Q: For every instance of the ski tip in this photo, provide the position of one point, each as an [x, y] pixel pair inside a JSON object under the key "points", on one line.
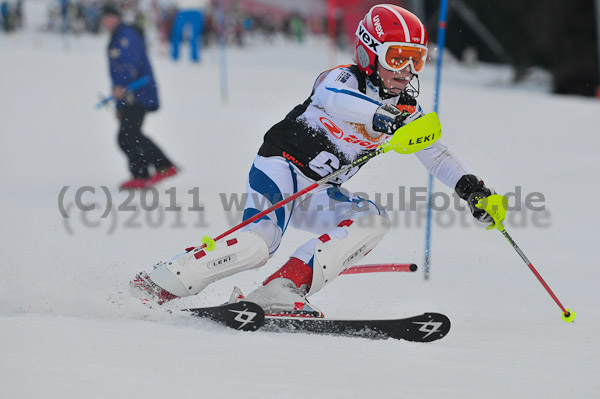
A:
{"points": [[427, 328]]}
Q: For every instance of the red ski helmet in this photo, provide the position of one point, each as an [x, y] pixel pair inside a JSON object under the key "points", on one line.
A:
{"points": [[393, 34]]}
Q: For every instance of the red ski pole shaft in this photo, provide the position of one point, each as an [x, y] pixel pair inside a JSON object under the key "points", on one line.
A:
{"points": [[268, 210], [535, 272]]}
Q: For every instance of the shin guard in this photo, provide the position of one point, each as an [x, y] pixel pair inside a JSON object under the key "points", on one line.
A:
{"points": [[193, 271], [342, 248]]}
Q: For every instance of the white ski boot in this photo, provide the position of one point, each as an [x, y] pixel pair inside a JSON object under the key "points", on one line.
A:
{"points": [[284, 292], [281, 297]]}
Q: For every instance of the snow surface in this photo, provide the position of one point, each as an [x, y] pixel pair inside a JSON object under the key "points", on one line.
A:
{"points": [[69, 329]]}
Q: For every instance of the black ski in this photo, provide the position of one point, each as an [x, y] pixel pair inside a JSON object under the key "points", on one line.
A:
{"points": [[248, 316], [423, 328]]}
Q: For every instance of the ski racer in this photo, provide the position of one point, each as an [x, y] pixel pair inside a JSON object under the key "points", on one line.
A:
{"points": [[351, 111]]}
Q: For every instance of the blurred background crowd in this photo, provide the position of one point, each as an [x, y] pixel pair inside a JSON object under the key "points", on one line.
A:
{"points": [[553, 35]]}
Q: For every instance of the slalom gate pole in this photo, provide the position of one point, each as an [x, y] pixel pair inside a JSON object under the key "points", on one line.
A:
{"points": [[438, 78]]}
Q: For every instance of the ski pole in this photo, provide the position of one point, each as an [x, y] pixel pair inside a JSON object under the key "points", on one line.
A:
{"points": [[410, 138], [496, 206], [136, 84], [209, 243]]}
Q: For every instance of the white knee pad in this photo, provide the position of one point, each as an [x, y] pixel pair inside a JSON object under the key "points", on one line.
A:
{"points": [[343, 248], [193, 271], [269, 231]]}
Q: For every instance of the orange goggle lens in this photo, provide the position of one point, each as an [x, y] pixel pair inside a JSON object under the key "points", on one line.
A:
{"points": [[398, 57]]}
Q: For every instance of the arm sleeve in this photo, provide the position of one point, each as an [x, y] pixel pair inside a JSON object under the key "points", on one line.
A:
{"points": [[443, 164], [338, 93]]}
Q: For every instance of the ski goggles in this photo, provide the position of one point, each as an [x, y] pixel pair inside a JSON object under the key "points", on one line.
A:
{"points": [[395, 56]]}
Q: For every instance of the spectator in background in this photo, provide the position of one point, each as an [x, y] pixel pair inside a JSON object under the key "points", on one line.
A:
{"points": [[128, 62], [5, 14], [189, 15], [18, 14], [91, 13], [210, 33], [64, 13], [297, 28]]}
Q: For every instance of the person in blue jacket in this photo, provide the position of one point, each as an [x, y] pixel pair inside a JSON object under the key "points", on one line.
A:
{"points": [[128, 63]]}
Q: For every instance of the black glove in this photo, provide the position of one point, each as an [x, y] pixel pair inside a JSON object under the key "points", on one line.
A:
{"points": [[388, 118], [472, 189]]}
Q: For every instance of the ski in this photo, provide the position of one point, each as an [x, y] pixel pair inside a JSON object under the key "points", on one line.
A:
{"points": [[422, 328], [248, 316]]}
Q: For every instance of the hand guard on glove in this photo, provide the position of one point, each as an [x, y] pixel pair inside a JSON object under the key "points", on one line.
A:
{"points": [[388, 118], [472, 189]]}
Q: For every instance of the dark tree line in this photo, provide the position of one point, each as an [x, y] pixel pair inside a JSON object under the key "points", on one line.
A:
{"points": [[557, 35]]}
